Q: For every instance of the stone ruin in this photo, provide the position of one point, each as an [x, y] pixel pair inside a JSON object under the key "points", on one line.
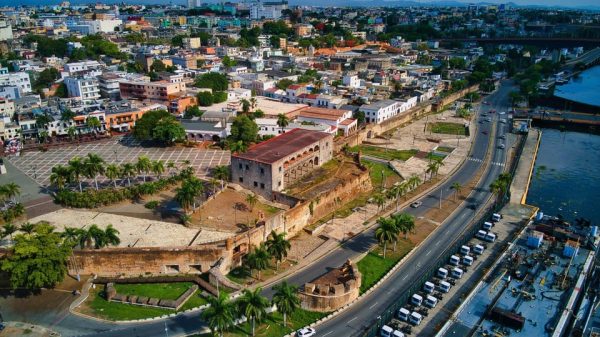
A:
{"points": [[332, 290], [112, 295]]}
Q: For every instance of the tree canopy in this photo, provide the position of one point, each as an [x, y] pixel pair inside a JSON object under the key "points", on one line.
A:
{"points": [[158, 125], [244, 129], [215, 81]]}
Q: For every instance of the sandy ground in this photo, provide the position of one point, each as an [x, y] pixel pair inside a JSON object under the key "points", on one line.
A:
{"points": [[134, 232]]}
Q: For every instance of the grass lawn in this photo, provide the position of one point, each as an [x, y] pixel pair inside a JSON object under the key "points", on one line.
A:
{"points": [[241, 275], [114, 311], [373, 266], [168, 291], [444, 149], [376, 176], [448, 128], [382, 153], [272, 326]]}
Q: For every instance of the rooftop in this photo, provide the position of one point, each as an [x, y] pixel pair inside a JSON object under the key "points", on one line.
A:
{"points": [[282, 146]]}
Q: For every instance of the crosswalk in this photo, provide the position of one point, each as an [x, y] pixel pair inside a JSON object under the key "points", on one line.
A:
{"points": [[479, 160]]}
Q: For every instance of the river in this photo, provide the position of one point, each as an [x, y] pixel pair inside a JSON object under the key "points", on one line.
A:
{"points": [[582, 88], [566, 177]]}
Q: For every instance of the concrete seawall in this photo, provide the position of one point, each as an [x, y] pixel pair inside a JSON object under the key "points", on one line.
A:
{"points": [[524, 172]]}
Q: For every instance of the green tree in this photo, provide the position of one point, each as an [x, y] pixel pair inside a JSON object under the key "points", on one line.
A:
{"points": [[405, 223], [284, 83], [282, 121], [386, 232], [45, 78], [220, 315], [27, 228], [158, 168], [158, 66], [111, 236], [11, 191], [251, 199], [113, 171], [278, 247], [143, 166], [67, 115], [77, 169], [286, 299], [128, 170], [457, 187], [219, 97], [379, 201], [244, 129], [360, 117], [193, 111], [168, 131], [93, 123], [59, 176], [37, 261], [245, 106], [215, 81], [228, 62], [144, 127], [8, 229], [94, 166], [221, 172], [253, 305], [205, 98], [238, 147], [258, 259]]}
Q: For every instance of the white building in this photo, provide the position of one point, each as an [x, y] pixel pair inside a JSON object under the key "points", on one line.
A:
{"points": [[10, 92], [380, 111], [86, 88], [194, 3], [91, 68], [19, 79], [7, 107], [351, 81], [5, 31], [260, 9], [92, 27]]}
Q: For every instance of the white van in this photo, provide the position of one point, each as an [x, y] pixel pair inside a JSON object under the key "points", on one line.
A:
{"points": [[415, 318], [386, 331], [403, 314], [442, 273], [454, 260], [480, 234], [428, 287], [416, 300], [490, 237], [487, 225], [496, 217], [465, 250], [431, 301], [467, 260], [457, 273], [478, 249], [397, 334], [444, 286]]}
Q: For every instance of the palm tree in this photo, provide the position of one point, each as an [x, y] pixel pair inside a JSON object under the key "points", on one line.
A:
{"points": [[111, 236], [405, 223], [282, 121], [431, 168], [414, 181], [220, 315], [60, 176], [143, 166], [379, 200], [214, 183], [84, 238], [259, 259], [71, 235], [401, 190], [253, 305], [158, 168], [286, 299], [11, 190], [77, 169], [253, 103], [8, 230], [386, 232], [27, 227], [93, 123], [185, 197], [98, 235], [221, 172], [278, 247], [171, 167], [457, 187], [113, 171], [251, 199], [497, 188], [71, 131], [128, 170], [94, 166]]}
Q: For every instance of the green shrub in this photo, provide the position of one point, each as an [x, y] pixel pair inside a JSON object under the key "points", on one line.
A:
{"points": [[151, 204]]}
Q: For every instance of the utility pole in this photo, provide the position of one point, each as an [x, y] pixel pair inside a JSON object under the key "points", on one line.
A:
{"points": [[441, 190], [166, 330]]}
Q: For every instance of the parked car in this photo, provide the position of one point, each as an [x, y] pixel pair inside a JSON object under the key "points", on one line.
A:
{"points": [[305, 332], [416, 204], [2, 326], [501, 146]]}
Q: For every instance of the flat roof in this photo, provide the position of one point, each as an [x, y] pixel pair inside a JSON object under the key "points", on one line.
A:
{"points": [[281, 146]]}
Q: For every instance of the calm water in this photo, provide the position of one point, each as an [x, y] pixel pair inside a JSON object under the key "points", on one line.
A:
{"points": [[566, 178], [583, 88]]}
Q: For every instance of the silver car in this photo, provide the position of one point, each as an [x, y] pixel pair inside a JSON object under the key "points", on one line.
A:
{"points": [[305, 332]]}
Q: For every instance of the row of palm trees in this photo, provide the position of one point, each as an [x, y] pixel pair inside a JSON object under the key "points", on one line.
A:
{"points": [[93, 166], [396, 192], [501, 185], [276, 247], [222, 313], [434, 166], [93, 236], [390, 228]]}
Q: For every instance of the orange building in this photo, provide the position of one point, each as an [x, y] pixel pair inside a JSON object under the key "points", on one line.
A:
{"points": [[160, 91], [180, 104]]}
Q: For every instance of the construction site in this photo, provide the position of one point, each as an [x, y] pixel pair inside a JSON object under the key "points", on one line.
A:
{"points": [[533, 287]]}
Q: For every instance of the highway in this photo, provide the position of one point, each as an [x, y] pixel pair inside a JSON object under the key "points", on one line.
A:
{"points": [[362, 314], [358, 316]]}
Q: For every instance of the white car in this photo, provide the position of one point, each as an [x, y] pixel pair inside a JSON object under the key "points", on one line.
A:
{"points": [[305, 332], [501, 146], [416, 204]]}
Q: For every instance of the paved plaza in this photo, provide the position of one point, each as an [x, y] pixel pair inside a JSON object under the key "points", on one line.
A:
{"points": [[118, 150]]}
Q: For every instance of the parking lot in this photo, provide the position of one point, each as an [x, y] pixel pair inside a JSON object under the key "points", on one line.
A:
{"points": [[432, 316], [117, 150]]}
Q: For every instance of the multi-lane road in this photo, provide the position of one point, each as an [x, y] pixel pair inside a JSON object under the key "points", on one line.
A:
{"points": [[363, 313]]}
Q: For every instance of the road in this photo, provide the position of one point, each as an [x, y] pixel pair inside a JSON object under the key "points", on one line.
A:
{"points": [[362, 314], [354, 319]]}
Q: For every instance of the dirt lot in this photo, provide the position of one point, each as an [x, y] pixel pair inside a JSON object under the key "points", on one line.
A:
{"points": [[230, 212]]}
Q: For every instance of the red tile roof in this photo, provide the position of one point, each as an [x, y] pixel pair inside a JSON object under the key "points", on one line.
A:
{"points": [[279, 147]]}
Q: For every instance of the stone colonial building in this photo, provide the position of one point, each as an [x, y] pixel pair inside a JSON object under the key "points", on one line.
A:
{"points": [[277, 163]]}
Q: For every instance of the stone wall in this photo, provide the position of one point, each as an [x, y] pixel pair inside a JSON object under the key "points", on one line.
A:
{"points": [[333, 290], [439, 105]]}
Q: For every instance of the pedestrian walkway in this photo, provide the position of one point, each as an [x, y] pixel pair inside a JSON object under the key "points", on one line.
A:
{"points": [[522, 178]]}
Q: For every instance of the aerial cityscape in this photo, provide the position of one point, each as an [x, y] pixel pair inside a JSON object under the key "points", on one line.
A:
{"points": [[278, 168]]}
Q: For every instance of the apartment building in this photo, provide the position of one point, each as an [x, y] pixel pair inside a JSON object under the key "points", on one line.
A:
{"points": [[154, 91], [86, 88], [19, 79]]}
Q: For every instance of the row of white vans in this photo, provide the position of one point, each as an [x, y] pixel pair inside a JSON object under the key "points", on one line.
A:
{"points": [[429, 301]]}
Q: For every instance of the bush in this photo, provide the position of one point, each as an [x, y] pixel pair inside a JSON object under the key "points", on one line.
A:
{"points": [[205, 98], [151, 204]]}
